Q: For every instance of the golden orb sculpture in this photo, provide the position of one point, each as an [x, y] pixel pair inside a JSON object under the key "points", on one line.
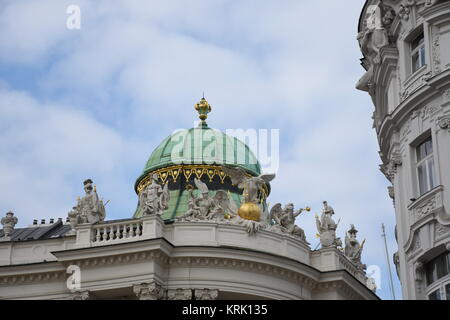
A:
{"points": [[250, 211]]}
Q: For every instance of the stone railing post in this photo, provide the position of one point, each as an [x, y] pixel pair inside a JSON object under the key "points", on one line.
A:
{"points": [[84, 235], [152, 227]]}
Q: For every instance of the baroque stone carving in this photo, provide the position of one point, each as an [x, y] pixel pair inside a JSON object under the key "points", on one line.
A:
{"points": [[80, 295], [425, 208], [391, 192], [327, 227], [89, 209], [418, 271], [429, 111], [353, 249], [446, 95], [371, 284], [8, 222], [441, 230], [154, 198], [435, 51], [206, 294], [390, 169], [205, 207], [444, 123], [373, 37], [396, 259], [179, 294], [148, 291], [388, 16], [249, 213], [284, 220], [429, 3], [416, 84], [416, 244], [251, 185], [404, 12]]}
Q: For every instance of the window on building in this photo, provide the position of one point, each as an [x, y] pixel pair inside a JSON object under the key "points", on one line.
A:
{"points": [[447, 291], [425, 166], [435, 295], [437, 268], [418, 52]]}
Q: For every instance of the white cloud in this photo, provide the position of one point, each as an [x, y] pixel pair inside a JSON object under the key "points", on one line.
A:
{"points": [[132, 74], [48, 149]]}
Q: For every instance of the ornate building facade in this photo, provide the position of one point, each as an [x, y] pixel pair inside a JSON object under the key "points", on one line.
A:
{"points": [[202, 230], [406, 55]]}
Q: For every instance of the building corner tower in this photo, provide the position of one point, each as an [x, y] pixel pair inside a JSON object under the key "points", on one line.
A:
{"points": [[406, 55]]}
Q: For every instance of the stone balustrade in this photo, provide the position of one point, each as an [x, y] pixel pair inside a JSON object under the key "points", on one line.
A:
{"points": [[105, 233], [116, 231]]}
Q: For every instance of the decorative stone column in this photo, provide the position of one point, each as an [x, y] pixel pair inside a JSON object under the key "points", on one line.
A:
{"points": [[8, 222], [148, 291], [206, 294], [179, 294], [80, 295]]}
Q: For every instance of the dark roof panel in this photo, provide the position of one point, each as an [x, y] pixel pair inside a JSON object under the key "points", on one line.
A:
{"points": [[55, 230]]}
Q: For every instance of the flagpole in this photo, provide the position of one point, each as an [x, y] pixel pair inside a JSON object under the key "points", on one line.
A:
{"points": [[391, 282]]}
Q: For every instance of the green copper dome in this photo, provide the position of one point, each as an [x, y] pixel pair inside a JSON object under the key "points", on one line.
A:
{"points": [[201, 145], [197, 153]]}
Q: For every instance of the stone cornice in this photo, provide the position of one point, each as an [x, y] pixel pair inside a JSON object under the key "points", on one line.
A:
{"points": [[436, 12], [30, 278], [245, 265], [341, 279], [392, 122], [154, 255], [226, 226], [114, 250], [389, 55], [440, 80], [340, 286]]}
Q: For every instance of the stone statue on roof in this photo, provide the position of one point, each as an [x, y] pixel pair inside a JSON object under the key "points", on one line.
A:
{"points": [[154, 199], [89, 208], [250, 184], [205, 207], [8, 222], [284, 220], [326, 227], [353, 249]]}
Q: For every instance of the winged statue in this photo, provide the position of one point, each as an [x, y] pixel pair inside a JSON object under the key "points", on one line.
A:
{"points": [[250, 184], [205, 207], [284, 220]]}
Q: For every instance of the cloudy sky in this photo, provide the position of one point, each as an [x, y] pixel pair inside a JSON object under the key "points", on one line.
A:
{"points": [[95, 102]]}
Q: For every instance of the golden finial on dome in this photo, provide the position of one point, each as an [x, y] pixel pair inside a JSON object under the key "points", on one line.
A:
{"points": [[203, 108]]}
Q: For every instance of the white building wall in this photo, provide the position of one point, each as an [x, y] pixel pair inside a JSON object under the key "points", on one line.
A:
{"points": [[422, 108]]}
